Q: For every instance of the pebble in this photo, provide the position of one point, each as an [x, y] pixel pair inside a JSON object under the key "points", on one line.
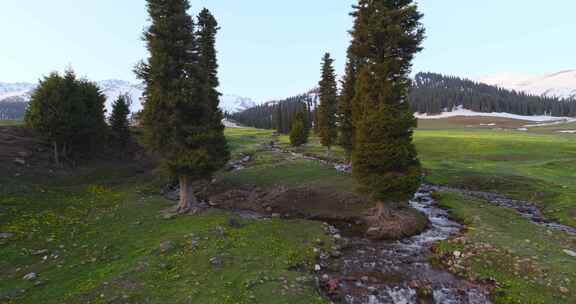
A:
{"points": [[40, 252], [564, 290], [216, 262], [570, 253], [30, 277]]}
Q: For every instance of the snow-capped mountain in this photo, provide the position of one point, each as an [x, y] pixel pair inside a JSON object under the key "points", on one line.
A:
{"points": [[234, 104], [561, 84], [113, 88], [20, 89]]}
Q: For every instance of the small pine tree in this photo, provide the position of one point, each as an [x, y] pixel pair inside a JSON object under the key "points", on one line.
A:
{"points": [[328, 100], [388, 35], [299, 133], [119, 123]]}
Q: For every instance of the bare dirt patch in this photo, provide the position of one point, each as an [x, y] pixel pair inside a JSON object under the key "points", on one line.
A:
{"points": [[352, 213], [21, 149]]}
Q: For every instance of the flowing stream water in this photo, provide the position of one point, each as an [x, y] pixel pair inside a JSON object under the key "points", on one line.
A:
{"points": [[399, 272]]}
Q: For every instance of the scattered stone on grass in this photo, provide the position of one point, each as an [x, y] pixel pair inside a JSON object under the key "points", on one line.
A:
{"points": [[40, 252], [166, 246], [31, 276], [570, 253], [216, 262]]}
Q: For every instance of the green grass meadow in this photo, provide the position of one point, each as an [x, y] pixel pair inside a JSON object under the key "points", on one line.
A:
{"points": [[95, 237]]}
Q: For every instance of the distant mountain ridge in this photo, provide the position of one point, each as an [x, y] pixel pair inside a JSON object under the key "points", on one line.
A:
{"points": [[112, 88], [560, 84]]}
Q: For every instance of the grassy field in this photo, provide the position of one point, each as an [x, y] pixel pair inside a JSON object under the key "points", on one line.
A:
{"points": [[526, 260], [99, 237], [539, 167]]}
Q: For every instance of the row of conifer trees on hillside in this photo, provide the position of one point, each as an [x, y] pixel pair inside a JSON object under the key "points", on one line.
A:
{"points": [[12, 108], [430, 93], [279, 115], [434, 93]]}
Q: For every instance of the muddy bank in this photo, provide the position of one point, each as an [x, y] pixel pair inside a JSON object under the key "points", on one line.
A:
{"points": [[346, 210]]}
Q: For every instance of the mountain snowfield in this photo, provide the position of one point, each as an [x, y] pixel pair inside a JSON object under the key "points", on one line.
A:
{"points": [[561, 84], [113, 88]]}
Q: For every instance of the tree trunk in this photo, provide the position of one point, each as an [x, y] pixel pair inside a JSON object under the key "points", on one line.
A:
{"points": [[187, 197], [56, 156], [382, 212]]}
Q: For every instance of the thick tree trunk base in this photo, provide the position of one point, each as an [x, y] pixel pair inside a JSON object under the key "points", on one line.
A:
{"points": [[187, 197]]}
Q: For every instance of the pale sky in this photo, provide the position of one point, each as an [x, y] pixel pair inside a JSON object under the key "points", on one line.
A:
{"points": [[272, 49]]}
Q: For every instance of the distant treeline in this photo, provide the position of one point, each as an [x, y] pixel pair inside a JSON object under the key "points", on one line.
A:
{"points": [[434, 93], [280, 114], [431, 93], [12, 108]]}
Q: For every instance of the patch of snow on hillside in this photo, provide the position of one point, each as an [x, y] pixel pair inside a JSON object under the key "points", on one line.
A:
{"points": [[230, 124], [460, 111]]}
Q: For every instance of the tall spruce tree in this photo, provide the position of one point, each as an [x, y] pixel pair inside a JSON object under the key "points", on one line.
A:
{"points": [[327, 130], [178, 118], [119, 122], [387, 36], [345, 120], [216, 144]]}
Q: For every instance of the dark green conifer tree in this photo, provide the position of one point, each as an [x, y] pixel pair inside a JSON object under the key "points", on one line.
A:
{"points": [[69, 113], [216, 143], [178, 117], [387, 37], [345, 121], [279, 120], [119, 122], [298, 132], [327, 130]]}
